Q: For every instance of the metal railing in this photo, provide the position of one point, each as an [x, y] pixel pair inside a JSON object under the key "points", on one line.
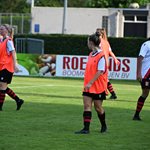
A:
{"points": [[29, 45], [20, 22]]}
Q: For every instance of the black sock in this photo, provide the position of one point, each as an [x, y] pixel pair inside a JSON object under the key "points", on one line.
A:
{"points": [[87, 115], [140, 104], [12, 94], [2, 98], [102, 119]]}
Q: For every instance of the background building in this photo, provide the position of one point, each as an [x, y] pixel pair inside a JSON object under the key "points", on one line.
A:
{"points": [[118, 22]]}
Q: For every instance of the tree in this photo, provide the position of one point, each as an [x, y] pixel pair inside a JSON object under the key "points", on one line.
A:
{"points": [[60, 3], [77, 3], [49, 3], [97, 3], [21, 6], [14, 6], [115, 3]]}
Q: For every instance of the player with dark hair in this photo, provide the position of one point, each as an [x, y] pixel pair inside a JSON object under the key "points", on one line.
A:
{"points": [[143, 76], [95, 85], [8, 65], [105, 46]]}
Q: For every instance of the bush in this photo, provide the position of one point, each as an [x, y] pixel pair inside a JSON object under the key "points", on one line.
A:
{"points": [[126, 47], [77, 44]]}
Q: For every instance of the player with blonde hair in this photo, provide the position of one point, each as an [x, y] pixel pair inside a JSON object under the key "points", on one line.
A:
{"points": [[105, 46]]}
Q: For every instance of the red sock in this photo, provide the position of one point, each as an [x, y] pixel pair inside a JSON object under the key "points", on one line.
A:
{"points": [[110, 88], [87, 115], [12, 94]]}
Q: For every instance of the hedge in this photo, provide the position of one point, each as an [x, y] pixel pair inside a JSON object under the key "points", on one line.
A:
{"points": [[77, 44]]}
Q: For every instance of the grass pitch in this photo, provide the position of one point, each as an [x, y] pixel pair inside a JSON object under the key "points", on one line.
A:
{"points": [[52, 112]]}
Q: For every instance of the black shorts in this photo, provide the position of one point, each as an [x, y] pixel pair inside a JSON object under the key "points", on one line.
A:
{"points": [[145, 83], [5, 76], [99, 96]]}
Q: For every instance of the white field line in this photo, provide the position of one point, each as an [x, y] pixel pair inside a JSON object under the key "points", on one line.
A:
{"points": [[37, 86]]}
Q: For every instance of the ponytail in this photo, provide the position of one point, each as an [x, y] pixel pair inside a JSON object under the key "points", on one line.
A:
{"points": [[104, 35], [12, 33]]}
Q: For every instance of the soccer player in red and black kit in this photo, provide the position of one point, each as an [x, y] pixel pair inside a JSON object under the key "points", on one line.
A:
{"points": [[143, 76], [8, 65], [95, 85]]}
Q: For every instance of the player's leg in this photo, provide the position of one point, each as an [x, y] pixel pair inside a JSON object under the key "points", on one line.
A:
{"points": [[5, 79], [87, 114], [140, 104], [3, 86], [101, 114], [12, 94], [145, 86], [111, 90], [98, 101]]}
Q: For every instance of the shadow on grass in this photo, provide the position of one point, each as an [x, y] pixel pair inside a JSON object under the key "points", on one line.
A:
{"points": [[74, 97], [50, 125], [50, 95], [66, 111]]}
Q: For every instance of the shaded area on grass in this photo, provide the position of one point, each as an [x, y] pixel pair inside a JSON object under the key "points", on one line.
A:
{"points": [[74, 97], [41, 126]]}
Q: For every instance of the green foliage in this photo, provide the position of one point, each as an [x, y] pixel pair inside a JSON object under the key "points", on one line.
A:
{"points": [[21, 6], [77, 44], [49, 3], [17, 21], [91, 3], [60, 3], [126, 47], [115, 3], [62, 44], [14, 6], [76, 3], [98, 3]]}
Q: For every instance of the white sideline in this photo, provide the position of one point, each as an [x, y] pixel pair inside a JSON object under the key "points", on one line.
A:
{"points": [[37, 86]]}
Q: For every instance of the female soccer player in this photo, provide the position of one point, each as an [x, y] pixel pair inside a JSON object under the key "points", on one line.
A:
{"points": [[95, 85], [143, 76], [105, 46], [8, 65]]}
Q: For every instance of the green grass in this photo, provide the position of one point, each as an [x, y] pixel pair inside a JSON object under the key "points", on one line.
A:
{"points": [[53, 112]]}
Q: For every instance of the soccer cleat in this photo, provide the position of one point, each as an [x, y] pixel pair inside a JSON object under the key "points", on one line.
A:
{"points": [[105, 98], [103, 128], [19, 104], [137, 117], [113, 96], [83, 131]]}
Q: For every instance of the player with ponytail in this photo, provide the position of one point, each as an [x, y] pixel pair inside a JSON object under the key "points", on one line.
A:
{"points": [[105, 46], [95, 85]]}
